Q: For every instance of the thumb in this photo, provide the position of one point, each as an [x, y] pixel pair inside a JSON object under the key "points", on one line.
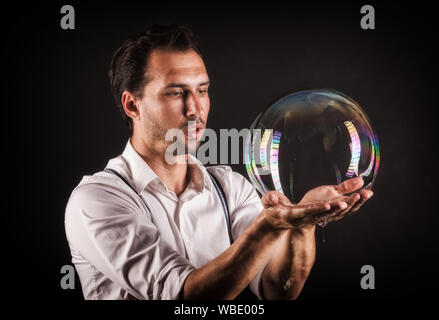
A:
{"points": [[273, 198], [349, 185]]}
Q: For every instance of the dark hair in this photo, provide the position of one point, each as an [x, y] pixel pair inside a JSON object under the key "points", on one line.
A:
{"points": [[128, 66]]}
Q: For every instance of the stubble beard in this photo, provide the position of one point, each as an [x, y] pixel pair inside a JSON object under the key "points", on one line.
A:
{"points": [[156, 137]]}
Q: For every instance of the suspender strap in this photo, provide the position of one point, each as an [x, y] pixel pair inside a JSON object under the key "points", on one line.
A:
{"points": [[121, 177], [246, 293], [223, 200], [218, 189], [127, 183]]}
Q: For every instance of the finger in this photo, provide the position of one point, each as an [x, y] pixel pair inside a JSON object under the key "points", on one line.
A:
{"points": [[293, 213], [355, 203], [352, 200], [365, 195], [350, 185], [336, 207], [283, 199], [337, 218], [270, 198], [339, 214], [310, 220], [341, 207]]}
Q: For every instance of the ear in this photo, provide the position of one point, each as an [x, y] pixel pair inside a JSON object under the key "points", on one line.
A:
{"points": [[129, 103]]}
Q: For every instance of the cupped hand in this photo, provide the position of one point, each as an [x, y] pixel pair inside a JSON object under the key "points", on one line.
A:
{"points": [[348, 191], [323, 204]]}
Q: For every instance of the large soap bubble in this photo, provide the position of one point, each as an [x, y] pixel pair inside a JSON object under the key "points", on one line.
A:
{"points": [[308, 139]]}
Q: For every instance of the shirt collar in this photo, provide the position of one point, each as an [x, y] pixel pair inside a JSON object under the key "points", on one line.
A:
{"points": [[199, 174], [142, 174]]}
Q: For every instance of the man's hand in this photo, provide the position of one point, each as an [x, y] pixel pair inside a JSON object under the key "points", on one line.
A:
{"points": [[340, 192], [278, 239], [293, 256], [319, 205]]}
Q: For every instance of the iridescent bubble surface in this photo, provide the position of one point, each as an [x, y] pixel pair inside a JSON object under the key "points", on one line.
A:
{"points": [[308, 139]]}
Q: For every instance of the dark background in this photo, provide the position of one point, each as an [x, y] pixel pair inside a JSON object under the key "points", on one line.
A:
{"points": [[60, 122]]}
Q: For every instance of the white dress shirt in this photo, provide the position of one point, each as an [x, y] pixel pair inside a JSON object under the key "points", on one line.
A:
{"points": [[121, 250]]}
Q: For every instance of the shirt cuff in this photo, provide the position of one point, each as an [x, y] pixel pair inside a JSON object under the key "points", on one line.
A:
{"points": [[256, 284], [174, 283]]}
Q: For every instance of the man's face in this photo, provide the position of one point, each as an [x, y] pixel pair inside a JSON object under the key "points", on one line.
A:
{"points": [[177, 92]]}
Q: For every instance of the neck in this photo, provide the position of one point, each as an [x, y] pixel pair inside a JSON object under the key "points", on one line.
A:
{"points": [[174, 176]]}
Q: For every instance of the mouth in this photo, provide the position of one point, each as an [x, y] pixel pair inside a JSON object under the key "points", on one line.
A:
{"points": [[194, 132]]}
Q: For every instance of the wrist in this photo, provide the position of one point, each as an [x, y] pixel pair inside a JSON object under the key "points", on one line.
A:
{"points": [[265, 228], [305, 231]]}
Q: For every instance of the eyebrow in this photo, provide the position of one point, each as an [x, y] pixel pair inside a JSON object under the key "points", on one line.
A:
{"points": [[182, 85]]}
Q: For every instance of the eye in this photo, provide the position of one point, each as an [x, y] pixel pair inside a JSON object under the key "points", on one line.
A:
{"points": [[202, 91], [175, 94]]}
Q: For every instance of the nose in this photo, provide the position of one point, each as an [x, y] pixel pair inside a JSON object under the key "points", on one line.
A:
{"points": [[193, 106]]}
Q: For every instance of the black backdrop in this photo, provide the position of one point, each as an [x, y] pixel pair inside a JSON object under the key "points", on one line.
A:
{"points": [[60, 123]]}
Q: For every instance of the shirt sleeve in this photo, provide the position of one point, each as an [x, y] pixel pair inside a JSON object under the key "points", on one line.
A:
{"points": [[247, 206], [113, 233]]}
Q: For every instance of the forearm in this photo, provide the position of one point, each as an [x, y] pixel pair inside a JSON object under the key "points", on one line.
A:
{"points": [[228, 274], [289, 267]]}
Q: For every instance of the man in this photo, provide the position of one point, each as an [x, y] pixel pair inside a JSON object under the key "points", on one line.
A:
{"points": [[148, 229]]}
